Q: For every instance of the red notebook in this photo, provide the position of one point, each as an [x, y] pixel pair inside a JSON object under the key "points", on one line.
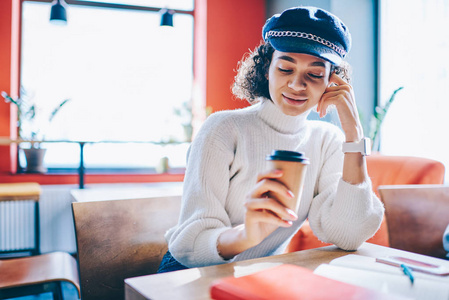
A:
{"points": [[289, 282]]}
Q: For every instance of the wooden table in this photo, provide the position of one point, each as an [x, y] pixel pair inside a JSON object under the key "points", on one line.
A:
{"points": [[195, 283]]}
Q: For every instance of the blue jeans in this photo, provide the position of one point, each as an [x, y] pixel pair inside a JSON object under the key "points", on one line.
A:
{"points": [[169, 264]]}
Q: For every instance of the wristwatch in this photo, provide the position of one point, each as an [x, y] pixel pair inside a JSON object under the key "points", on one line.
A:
{"points": [[363, 146]]}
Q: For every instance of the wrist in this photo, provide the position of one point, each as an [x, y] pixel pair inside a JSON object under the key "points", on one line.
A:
{"points": [[233, 242], [354, 135], [354, 138]]}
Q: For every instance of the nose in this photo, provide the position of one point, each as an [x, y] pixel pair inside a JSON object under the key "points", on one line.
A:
{"points": [[297, 83]]}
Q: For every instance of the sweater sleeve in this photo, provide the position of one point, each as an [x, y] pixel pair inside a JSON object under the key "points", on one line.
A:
{"points": [[203, 215], [341, 213]]}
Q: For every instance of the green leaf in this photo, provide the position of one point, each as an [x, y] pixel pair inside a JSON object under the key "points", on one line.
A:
{"points": [[379, 116], [57, 109]]}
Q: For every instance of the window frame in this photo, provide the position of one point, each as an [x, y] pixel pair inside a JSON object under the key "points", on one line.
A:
{"points": [[80, 170]]}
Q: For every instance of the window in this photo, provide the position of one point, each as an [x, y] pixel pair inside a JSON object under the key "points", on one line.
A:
{"points": [[125, 75], [414, 46]]}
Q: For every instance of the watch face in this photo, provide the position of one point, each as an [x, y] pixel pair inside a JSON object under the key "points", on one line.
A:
{"points": [[367, 146]]}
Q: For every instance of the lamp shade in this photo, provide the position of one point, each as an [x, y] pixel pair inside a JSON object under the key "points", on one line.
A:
{"points": [[166, 17], [58, 12]]}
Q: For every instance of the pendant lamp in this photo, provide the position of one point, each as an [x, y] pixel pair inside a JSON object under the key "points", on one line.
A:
{"points": [[166, 17], [58, 12]]}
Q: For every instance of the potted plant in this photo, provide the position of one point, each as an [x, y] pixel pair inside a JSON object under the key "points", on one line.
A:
{"points": [[186, 116], [30, 128]]}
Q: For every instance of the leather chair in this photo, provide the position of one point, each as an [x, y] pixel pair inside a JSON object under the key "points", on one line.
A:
{"points": [[118, 239], [383, 170], [417, 216], [38, 274]]}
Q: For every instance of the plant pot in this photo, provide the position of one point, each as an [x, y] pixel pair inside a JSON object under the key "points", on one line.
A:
{"points": [[35, 160], [163, 165]]}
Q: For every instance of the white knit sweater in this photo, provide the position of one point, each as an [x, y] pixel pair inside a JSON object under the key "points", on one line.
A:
{"points": [[222, 166]]}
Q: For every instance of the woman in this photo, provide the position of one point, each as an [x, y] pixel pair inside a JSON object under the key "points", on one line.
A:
{"points": [[226, 214]]}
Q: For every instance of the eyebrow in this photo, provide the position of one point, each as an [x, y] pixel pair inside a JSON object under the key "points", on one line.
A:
{"points": [[291, 59]]}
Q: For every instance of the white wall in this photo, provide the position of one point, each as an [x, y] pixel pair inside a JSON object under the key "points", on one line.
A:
{"points": [[57, 228]]}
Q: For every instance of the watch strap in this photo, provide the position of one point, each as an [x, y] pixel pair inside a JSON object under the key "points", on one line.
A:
{"points": [[363, 146]]}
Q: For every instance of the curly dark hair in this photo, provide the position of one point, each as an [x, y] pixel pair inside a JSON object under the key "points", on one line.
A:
{"points": [[251, 81]]}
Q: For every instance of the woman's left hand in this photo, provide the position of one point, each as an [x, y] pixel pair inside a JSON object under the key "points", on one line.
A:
{"points": [[341, 95]]}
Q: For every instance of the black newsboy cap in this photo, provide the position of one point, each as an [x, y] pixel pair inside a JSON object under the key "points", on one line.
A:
{"points": [[308, 30]]}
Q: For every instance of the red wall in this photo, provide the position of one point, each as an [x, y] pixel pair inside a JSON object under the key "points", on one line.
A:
{"points": [[9, 80], [234, 27], [224, 31]]}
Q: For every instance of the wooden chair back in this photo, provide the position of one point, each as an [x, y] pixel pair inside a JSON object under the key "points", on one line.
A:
{"points": [[118, 239], [417, 216]]}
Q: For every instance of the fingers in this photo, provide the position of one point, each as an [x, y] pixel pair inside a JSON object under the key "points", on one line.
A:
{"points": [[339, 95], [342, 98], [270, 174], [270, 185], [267, 217], [337, 79], [265, 201], [269, 210]]}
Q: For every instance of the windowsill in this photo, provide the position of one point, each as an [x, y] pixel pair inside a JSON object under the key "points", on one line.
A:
{"points": [[106, 171], [93, 177]]}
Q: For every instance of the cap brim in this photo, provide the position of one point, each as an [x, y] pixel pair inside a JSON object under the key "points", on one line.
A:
{"points": [[287, 44]]}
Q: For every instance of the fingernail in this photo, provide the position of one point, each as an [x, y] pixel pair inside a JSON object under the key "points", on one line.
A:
{"points": [[289, 223], [290, 194], [292, 213], [277, 172]]}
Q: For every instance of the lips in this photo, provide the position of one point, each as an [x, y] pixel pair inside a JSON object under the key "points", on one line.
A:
{"points": [[295, 100]]}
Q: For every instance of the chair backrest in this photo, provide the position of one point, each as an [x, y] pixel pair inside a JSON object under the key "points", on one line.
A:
{"points": [[118, 239], [397, 170], [417, 216]]}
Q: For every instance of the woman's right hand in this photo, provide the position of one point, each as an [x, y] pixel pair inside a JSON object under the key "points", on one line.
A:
{"points": [[264, 214], [264, 209]]}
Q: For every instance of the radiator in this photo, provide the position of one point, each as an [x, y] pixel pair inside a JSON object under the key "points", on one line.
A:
{"points": [[57, 231], [17, 221]]}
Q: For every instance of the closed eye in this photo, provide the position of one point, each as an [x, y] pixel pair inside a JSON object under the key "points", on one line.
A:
{"points": [[284, 70], [316, 76]]}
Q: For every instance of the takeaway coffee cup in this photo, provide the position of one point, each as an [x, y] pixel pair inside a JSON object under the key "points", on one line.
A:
{"points": [[294, 165]]}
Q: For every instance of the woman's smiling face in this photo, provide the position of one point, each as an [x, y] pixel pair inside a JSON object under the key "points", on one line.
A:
{"points": [[297, 81]]}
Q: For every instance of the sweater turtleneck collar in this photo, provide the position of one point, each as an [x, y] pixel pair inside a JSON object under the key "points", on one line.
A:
{"points": [[275, 118]]}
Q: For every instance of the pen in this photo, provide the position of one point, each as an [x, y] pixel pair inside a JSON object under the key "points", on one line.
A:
{"points": [[407, 271]]}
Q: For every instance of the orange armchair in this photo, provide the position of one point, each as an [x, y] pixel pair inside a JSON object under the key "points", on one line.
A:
{"points": [[383, 170]]}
